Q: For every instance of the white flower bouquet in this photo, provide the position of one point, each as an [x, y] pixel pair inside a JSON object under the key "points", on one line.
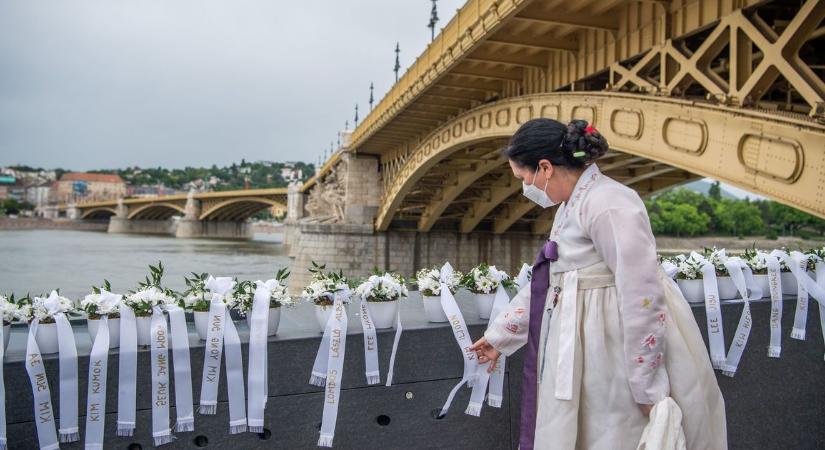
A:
{"points": [[196, 297], [688, 268], [429, 281], [10, 310], [45, 308], [241, 299], [485, 279], [101, 302], [324, 285], [150, 294], [385, 287]]}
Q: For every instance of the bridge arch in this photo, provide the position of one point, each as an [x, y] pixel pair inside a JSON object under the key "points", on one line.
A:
{"points": [[656, 142], [156, 211], [98, 213], [237, 209]]}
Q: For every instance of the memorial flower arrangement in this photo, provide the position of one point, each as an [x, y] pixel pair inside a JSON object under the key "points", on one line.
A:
{"points": [[44, 308], [324, 285], [485, 279], [429, 281], [383, 287], [815, 254], [101, 302], [717, 257], [10, 310], [150, 294], [196, 297], [688, 268], [278, 295], [240, 299], [757, 264]]}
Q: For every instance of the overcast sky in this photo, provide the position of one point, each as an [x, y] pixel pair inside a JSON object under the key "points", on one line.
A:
{"points": [[113, 83]]}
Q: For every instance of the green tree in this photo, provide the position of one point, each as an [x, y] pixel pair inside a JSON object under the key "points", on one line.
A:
{"points": [[678, 219], [739, 217], [715, 191]]}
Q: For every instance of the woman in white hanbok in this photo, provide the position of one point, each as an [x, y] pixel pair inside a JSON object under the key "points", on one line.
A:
{"points": [[615, 336]]}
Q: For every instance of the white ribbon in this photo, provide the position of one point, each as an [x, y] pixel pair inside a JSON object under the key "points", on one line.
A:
{"points": [[159, 338], [43, 410], [496, 378], [568, 334], [815, 289], [372, 370], [398, 330], [257, 376], [3, 442], [234, 378], [337, 327], [523, 277], [68, 431], [775, 287], [213, 350], [96, 401], [713, 311], [820, 281], [742, 277], [461, 334], [179, 335], [127, 372], [800, 319]]}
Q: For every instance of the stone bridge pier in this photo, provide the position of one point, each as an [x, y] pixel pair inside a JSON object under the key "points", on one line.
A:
{"points": [[165, 219]]}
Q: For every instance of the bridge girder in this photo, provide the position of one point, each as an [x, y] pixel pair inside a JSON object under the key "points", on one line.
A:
{"points": [[667, 141], [156, 211]]}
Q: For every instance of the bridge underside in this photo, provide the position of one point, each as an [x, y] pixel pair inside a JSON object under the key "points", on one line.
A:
{"points": [[473, 189]]}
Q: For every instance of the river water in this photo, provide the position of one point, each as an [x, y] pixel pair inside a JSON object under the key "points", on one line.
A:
{"points": [[37, 261]]}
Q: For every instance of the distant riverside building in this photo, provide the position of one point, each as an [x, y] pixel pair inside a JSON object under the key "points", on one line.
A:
{"points": [[75, 186]]}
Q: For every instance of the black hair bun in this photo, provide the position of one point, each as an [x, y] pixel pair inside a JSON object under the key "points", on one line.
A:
{"points": [[583, 143]]}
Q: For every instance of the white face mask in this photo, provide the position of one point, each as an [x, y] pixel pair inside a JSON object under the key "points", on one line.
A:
{"points": [[536, 195]]}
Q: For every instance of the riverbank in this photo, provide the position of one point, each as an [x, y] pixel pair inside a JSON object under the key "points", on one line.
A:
{"points": [[36, 223], [668, 245]]}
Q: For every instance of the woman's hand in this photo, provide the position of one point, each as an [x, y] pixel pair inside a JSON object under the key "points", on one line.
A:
{"points": [[486, 352], [645, 409]]}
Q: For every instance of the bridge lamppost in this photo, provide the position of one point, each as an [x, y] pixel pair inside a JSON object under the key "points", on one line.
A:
{"points": [[372, 99], [356, 115], [397, 61], [433, 20]]}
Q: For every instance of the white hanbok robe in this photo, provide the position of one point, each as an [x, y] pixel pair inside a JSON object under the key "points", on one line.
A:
{"points": [[624, 337]]}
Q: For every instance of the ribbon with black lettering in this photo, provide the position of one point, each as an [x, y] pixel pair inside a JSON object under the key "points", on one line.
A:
{"points": [[96, 399], [461, 334], [161, 432], [42, 400], [337, 326]]}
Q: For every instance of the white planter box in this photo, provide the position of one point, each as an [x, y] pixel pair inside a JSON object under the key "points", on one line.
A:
{"points": [[322, 314], [144, 331], [114, 331], [383, 313], [273, 320], [693, 290], [201, 321], [763, 282], [484, 303], [46, 338], [789, 286], [727, 290], [6, 332], [433, 309]]}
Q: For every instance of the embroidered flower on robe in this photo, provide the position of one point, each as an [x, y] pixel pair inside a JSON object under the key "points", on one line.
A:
{"points": [[513, 320], [646, 302], [656, 361], [649, 341], [640, 359]]}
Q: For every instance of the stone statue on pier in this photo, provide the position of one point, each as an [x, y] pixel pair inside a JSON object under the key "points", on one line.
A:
{"points": [[325, 203], [192, 209]]}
